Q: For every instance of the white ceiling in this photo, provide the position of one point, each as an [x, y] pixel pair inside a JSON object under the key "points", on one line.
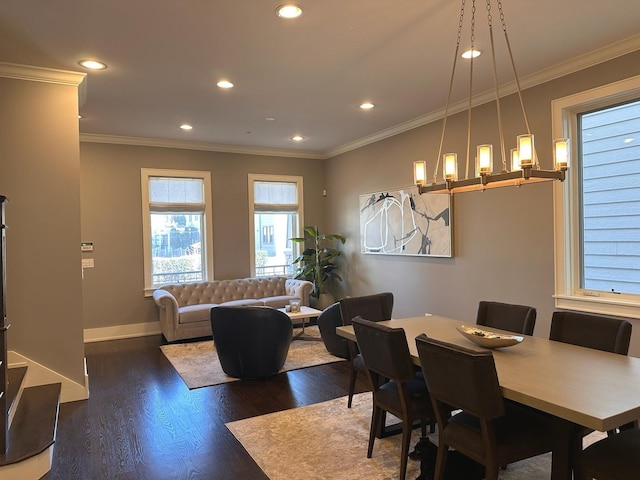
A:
{"points": [[310, 75]]}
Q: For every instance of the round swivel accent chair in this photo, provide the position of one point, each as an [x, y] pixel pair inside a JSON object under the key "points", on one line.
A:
{"points": [[329, 319], [251, 342]]}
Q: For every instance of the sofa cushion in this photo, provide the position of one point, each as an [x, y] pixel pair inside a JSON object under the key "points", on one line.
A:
{"points": [[279, 301], [245, 302], [195, 313]]}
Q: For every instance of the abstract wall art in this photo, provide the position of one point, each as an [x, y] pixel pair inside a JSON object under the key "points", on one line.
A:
{"points": [[404, 222]]}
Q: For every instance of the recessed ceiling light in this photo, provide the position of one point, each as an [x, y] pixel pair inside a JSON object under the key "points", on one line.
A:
{"points": [[186, 126], [92, 64], [289, 10], [269, 119], [297, 138], [225, 84], [471, 54], [367, 106]]}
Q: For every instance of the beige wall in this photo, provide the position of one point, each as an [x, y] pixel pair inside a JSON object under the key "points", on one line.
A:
{"points": [[503, 238], [40, 174], [112, 219]]}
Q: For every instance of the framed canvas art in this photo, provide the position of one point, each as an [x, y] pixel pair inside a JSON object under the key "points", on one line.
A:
{"points": [[404, 222]]}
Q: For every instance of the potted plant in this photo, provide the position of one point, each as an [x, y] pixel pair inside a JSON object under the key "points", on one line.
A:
{"points": [[316, 263]]}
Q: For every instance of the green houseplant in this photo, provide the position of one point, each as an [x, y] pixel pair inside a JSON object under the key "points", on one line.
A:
{"points": [[316, 262]]}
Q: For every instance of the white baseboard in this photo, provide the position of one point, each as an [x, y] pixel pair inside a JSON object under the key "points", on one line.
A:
{"points": [[38, 374], [121, 331]]}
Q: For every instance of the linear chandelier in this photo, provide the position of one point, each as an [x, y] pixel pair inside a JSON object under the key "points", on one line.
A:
{"points": [[523, 167]]}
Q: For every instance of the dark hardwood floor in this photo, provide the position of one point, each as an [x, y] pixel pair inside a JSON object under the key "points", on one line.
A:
{"points": [[142, 422]]}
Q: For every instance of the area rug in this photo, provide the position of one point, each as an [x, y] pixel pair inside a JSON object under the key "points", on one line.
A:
{"points": [[198, 365], [329, 441]]}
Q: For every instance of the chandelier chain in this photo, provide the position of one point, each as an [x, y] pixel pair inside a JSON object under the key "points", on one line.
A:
{"points": [[453, 71], [516, 78], [504, 25], [503, 152], [470, 103]]}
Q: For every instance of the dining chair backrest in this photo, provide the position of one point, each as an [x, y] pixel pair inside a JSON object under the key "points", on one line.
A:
{"points": [[592, 331], [460, 378], [376, 307], [507, 316], [384, 350]]}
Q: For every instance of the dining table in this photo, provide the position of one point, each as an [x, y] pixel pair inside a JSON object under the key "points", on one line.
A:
{"points": [[580, 387]]}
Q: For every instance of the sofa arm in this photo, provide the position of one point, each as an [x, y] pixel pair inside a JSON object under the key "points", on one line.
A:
{"points": [[167, 312], [299, 288]]}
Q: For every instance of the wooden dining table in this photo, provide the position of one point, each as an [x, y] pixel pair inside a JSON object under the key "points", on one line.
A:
{"points": [[578, 386]]}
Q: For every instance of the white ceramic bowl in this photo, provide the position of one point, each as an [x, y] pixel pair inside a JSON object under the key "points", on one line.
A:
{"points": [[488, 339]]}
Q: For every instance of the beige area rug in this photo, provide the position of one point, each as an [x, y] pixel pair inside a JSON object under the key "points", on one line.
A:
{"points": [[328, 441], [198, 365]]}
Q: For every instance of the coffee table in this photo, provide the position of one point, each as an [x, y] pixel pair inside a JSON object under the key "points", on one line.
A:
{"points": [[303, 314]]}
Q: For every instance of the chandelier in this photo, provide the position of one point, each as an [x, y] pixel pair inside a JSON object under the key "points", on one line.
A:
{"points": [[523, 165]]}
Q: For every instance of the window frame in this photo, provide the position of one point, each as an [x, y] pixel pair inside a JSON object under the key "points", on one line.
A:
{"points": [[566, 200], [207, 232], [253, 177]]}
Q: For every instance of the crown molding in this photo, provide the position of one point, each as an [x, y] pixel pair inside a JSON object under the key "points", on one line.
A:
{"points": [[40, 74], [582, 62], [46, 75], [208, 147]]}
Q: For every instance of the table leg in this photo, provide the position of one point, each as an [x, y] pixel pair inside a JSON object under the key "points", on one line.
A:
{"points": [[303, 336], [567, 443]]}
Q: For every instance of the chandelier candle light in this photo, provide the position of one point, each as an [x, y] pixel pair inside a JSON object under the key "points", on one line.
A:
{"points": [[524, 165]]}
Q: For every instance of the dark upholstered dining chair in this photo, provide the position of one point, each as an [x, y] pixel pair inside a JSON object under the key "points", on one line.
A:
{"points": [[507, 316], [599, 332], [592, 331], [375, 308], [616, 457], [488, 430], [329, 319], [251, 342], [397, 387]]}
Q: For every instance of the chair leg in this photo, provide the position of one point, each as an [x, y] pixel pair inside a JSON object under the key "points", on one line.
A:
{"points": [[404, 454], [376, 419], [352, 385], [441, 461]]}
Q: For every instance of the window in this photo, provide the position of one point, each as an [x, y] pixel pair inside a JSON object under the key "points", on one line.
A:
{"points": [[609, 149], [597, 209], [275, 204], [176, 208]]}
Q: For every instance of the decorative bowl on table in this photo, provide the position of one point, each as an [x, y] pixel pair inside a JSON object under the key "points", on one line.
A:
{"points": [[488, 339]]}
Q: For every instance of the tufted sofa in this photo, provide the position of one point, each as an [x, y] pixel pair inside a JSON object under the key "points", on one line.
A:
{"points": [[185, 309]]}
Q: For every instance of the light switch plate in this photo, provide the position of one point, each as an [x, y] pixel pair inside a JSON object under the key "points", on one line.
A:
{"points": [[87, 263]]}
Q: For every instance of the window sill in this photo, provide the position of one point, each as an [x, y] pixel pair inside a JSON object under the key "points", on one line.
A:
{"points": [[599, 305]]}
